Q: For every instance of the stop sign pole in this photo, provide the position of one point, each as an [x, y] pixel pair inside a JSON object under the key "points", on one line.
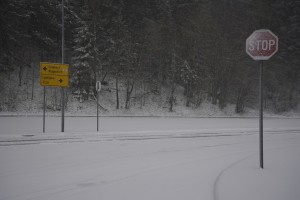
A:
{"points": [[261, 45], [261, 115]]}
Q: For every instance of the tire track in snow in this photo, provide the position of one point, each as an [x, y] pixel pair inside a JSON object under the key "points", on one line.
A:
{"points": [[88, 183], [216, 182], [148, 135], [216, 185]]}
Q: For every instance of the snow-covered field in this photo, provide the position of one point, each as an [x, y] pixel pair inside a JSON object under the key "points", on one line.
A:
{"points": [[148, 158]]}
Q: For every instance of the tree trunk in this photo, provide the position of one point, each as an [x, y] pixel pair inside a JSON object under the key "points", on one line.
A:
{"points": [[20, 75], [173, 84], [223, 98], [214, 94], [66, 99], [172, 98], [189, 93], [32, 83], [239, 106], [142, 100], [117, 91], [241, 99], [27, 84], [129, 89], [55, 99]]}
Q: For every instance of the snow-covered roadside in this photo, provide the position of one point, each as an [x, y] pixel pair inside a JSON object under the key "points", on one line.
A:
{"points": [[146, 113], [152, 109], [34, 125]]}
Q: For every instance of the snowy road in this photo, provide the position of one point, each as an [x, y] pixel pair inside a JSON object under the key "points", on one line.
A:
{"points": [[148, 158]]}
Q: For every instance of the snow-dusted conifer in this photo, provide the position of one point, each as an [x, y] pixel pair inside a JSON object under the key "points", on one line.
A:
{"points": [[189, 77], [84, 51]]}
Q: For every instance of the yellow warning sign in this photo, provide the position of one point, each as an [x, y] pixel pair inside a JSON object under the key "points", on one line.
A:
{"points": [[54, 74]]}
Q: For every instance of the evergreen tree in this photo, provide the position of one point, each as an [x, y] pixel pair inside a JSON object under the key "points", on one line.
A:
{"points": [[189, 77], [84, 52]]}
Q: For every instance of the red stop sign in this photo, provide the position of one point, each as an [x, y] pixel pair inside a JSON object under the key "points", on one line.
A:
{"points": [[262, 44]]}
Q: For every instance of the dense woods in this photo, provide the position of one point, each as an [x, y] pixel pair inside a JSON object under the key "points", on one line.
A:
{"points": [[198, 45]]}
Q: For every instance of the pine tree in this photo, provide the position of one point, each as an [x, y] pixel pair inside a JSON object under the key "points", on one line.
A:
{"points": [[84, 53], [189, 77], [287, 26]]}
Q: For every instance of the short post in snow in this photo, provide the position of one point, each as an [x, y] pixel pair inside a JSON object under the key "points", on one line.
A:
{"points": [[261, 45]]}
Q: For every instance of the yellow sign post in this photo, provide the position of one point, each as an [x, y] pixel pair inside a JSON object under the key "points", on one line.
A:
{"points": [[54, 74]]}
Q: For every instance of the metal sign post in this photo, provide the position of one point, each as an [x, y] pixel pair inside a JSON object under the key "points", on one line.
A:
{"points": [[62, 61], [97, 111], [261, 114], [261, 45], [54, 74], [44, 110]]}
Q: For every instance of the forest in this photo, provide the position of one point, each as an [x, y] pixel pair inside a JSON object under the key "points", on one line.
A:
{"points": [[145, 45]]}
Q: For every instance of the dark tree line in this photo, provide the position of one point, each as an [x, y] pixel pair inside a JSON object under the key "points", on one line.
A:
{"points": [[195, 44]]}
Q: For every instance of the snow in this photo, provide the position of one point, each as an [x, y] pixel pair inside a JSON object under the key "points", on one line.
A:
{"points": [[16, 100], [279, 180], [148, 158]]}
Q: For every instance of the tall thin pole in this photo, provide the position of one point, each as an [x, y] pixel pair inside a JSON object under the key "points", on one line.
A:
{"points": [[62, 61], [44, 110], [261, 111], [97, 111]]}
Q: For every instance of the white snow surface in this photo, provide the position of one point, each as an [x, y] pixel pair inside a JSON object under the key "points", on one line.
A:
{"points": [[148, 158]]}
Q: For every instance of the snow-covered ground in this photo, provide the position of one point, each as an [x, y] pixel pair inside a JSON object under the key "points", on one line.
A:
{"points": [[148, 158]]}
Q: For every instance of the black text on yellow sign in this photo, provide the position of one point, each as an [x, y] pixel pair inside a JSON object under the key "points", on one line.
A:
{"points": [[52, 80], [54, 74]]}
